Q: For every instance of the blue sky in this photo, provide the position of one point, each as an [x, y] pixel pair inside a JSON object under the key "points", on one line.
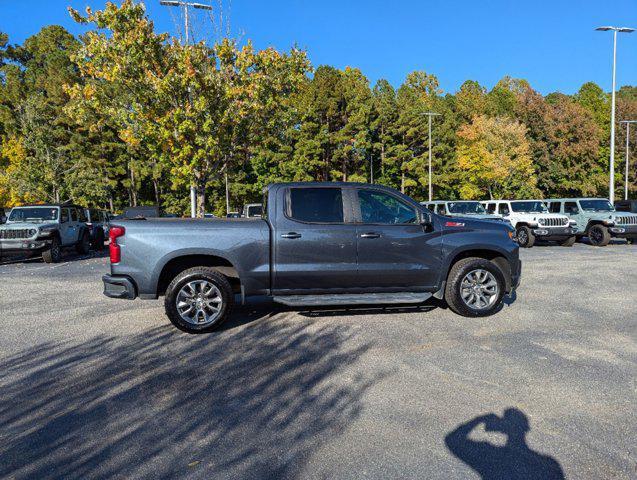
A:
{"points": [[550, 43]]}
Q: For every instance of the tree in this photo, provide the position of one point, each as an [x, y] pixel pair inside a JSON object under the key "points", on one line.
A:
{"points": [[494, 159], [186, 106]]}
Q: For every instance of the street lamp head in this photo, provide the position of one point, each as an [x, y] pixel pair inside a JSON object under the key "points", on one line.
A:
{"points": [[628, 121], [615, 29], [170, 3]]}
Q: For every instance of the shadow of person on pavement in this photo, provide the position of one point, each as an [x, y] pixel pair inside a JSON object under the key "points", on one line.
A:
{"points": [[514, 460]]}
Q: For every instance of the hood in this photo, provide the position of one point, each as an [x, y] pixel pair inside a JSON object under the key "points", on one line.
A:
{"points": [[23, 225]]}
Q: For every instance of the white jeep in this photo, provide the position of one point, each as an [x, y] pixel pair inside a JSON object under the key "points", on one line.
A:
{"points": [[532, 221]]}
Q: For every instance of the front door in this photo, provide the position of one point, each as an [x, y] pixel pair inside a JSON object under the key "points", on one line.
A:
{"points": [[67, 227], [395, 252], [314, 242]]}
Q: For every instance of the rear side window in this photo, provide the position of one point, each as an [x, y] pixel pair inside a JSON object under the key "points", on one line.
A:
{"points": [[383, 208], [316, 205], [555, 207], [82, 215], [73, 215]]}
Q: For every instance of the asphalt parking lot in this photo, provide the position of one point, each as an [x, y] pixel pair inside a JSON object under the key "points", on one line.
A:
{"points": [[98, 388]]}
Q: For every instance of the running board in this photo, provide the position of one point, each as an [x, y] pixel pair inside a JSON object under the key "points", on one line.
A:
{"points": [[352, 299]]}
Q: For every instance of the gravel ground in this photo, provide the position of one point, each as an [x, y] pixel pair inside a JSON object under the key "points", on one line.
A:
{"points": [[98, 388]]}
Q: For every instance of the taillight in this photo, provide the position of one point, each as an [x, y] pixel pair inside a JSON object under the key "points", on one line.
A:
{"points": [[116, 252]]}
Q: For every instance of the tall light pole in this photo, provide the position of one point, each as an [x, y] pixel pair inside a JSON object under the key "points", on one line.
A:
{"points": [[611, 191], [186, 6], [430, 115], [627, 122]]}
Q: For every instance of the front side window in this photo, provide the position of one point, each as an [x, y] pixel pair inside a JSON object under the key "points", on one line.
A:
{"points": [[528, 207], [316, 205], [571, 208], [468, 208], [503, 209], [65, 215], [33, 214], [73, 215], [491, 208], [599, 205], [440, 209], [382, 208]]}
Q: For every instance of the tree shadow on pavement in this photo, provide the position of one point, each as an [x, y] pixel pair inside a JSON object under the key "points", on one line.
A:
{"points": [[512, 461], [251, 402]]}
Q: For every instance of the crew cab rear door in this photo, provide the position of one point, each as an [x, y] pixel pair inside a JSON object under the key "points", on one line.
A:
{"points": [[314, 241], [395, 252]]}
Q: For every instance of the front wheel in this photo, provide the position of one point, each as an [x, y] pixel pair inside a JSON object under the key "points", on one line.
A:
{"points": [[199, 300], [599, 235], [475, 287], [53, 253], [569, 242], [526, 238]]}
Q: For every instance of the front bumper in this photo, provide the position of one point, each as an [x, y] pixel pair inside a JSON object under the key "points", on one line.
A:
{"points": [[623, 231], [119, 287], [554, 232], [24, 246]]}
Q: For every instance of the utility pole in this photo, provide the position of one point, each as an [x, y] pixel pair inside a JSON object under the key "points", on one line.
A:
{"points": [[627, 122], [611, 190], [430, 114], [186, 6]]}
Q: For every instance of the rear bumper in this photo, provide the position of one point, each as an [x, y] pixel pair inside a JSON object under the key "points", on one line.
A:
{"points": [[119, 287]]}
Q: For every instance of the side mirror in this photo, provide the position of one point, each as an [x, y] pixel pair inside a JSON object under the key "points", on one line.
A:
{"points": [[425, 219]]}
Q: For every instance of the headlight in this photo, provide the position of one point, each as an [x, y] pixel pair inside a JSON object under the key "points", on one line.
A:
{"points": [[572, 223], [32, 232]]}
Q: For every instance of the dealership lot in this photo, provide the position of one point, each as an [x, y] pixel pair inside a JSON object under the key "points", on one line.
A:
{"points": [[99, 388]]}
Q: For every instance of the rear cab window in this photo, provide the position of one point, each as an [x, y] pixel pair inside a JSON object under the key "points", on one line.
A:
{"points": [[316, 205]]}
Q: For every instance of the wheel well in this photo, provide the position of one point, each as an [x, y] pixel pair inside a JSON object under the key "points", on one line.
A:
{"points": [[592, 223], [177, 265], [496, 257]]}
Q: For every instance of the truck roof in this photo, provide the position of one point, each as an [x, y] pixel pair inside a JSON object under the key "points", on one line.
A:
{"points": [[49, 205]]}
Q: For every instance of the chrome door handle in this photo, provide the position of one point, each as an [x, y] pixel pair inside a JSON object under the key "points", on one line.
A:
{"points": [[291, 235], [370, 235]]}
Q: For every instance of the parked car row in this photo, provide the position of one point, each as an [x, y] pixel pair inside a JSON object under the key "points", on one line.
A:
{"points": [[562, 220], [48, 229]]}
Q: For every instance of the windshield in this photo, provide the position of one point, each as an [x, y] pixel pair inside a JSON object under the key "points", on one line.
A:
{"points": [[33, 214], [468, 208], [529, 207], [600, 205]]}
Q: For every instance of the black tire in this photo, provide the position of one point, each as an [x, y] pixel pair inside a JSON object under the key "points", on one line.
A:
{"points": [[98, 240], [54, 253], [84, 245], [453, 295], [599, 235], [193, 274], [569, 242], [526, 238]]}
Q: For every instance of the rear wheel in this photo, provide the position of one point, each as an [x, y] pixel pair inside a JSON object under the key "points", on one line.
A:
{"points": [[599, 235], [569, 242], [475, 287], [54, 252], [526, 238], [199, 300]]}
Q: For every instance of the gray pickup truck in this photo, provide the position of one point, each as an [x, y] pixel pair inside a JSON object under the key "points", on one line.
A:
{"points": [[317, 244]]}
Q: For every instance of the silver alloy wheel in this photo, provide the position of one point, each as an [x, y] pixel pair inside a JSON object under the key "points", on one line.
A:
{"points": [[479, 289], [199, 302]]}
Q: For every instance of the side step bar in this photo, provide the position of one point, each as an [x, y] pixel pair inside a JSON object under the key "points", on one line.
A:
{"points": [[353, 299]]}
